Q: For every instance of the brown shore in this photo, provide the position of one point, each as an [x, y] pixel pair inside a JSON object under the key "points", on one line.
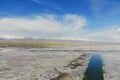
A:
{"points": [[52, 44]]}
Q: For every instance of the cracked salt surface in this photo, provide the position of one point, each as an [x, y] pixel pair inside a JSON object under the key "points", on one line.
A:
{"points": [[37, 63], [49, 63], [111, 65]]}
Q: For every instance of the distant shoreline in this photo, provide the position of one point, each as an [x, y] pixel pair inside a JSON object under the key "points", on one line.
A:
{"points": [[54, 44]]}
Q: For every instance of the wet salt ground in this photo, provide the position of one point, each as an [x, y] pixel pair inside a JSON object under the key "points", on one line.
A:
{"points": [[31, 63], [111, 65], [18, 63]]}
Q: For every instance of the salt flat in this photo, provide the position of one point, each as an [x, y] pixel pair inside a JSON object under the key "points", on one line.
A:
{"points": [[56, 63], [111, 65], [39, 63]]}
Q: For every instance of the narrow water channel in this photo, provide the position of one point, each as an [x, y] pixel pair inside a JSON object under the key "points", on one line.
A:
{"points": [[94, 70]]}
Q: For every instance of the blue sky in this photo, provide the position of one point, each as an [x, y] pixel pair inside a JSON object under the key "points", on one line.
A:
{"points": [[73, 19]]}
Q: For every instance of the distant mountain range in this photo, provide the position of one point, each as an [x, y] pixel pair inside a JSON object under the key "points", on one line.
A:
{"points": [[46, 40], [41, 40]]}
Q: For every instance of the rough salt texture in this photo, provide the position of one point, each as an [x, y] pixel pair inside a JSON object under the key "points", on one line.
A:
{"points": [[41, 64], [56, 63], [111, 65]]}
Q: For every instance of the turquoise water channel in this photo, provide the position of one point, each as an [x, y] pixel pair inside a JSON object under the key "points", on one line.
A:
{"points": [[94, 70]]}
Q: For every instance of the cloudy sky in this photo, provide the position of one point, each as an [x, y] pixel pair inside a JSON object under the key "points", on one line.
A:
{"points": [[97, 20]]}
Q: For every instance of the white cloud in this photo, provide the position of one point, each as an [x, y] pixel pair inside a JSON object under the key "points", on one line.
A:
{"points": [[99, 6], [108, 35], [96, 6], [50, 4], [42, 25], [68, 26]]}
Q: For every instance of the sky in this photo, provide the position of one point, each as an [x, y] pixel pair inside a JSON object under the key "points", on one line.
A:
{"points": [[95, 20]]}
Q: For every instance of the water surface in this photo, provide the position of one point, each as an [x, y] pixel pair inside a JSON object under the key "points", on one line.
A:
{"points": [[94, 70]]}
